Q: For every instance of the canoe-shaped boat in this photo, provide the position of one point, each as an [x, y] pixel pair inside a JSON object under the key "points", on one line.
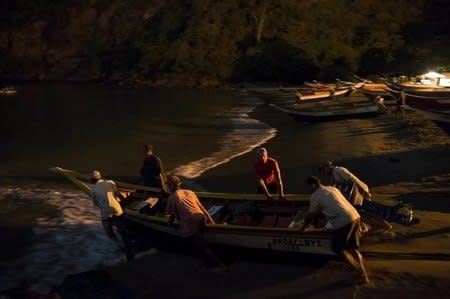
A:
{"points": [[242, 220], [329, 112], [374, 89], [395, 88], [427, 100], [324, 94], [8, 91]]}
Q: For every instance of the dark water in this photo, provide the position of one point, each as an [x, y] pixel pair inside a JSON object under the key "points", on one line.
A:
{"points": [[84, 127], [48, 231]]}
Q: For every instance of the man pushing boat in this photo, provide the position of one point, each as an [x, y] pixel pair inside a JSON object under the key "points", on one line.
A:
{"points": [[185, 206], [268, 174], [106, 197], [342, 219]]}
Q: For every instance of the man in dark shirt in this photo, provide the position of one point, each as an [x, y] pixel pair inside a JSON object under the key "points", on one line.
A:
{"points": [[152, 171]]}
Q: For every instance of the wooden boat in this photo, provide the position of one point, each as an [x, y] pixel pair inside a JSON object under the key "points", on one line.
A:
{"points": [[395, 88], [330, 110], [374, 89], [318, 86], [315, 85], [242, 220], [324, 94], [426, 99], [8, 91]]}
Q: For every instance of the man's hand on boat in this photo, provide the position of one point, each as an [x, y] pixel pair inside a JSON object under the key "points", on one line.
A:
{"points": [[280, 197]]}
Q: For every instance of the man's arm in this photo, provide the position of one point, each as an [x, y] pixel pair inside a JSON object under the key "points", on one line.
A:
{"points": [[350, 177], [309, 218], [162, 178], [263, 186], [206, 213], [279, 181]]}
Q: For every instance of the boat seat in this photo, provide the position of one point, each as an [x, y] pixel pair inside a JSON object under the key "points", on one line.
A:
{"points": [[268, 221], [243, 219], [284, 222], [277, 210]]}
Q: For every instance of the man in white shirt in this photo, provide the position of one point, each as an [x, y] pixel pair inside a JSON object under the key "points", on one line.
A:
{"points": [[350, 185], [105, 196], [342, 218]]}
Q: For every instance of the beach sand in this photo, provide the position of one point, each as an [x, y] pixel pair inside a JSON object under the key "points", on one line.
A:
{"points": [[407, 262]]}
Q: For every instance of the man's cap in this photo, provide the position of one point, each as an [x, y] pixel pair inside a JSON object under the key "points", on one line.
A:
{"points": [[325, 164], [173, 180], [261, 150], [96, 174]]}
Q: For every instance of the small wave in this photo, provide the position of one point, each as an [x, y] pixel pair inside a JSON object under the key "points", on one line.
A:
{"points": [[246, 134], [69, 242]]}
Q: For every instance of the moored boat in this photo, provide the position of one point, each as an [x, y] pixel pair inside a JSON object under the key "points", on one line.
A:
{"points": [[374, 89], [427, 100], [324, 94], [331, 111], [8, 90]]}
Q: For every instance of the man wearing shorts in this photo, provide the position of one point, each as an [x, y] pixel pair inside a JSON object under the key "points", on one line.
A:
{"points": [[342, 218]]}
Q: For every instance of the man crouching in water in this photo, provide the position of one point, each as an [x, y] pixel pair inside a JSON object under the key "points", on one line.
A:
{"points": [[184, 205], [342, 219]]}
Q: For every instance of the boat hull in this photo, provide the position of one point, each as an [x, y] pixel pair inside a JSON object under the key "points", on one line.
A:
{"points": [[324, 95], [333, 115], [256, 224], [251, 238], [427, 101]]}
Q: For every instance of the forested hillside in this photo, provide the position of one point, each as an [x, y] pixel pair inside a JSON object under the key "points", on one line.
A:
{"points": [[210, 42]]}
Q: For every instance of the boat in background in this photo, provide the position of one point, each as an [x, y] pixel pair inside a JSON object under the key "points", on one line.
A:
{"points": [[428, 82], [324, 94], [323, 111], [372, 90], [8, 90], [426, 99]]}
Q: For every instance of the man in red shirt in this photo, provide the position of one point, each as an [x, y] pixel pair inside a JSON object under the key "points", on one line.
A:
{"points": [[268, 174]]}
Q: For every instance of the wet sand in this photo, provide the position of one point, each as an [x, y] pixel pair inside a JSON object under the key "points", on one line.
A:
{"points": [[408, 262]]}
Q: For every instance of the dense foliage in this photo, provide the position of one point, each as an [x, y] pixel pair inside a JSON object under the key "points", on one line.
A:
{"points": [[213, 41]]}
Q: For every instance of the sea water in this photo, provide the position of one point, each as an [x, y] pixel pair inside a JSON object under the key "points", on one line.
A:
{"points": [[85, 127]]}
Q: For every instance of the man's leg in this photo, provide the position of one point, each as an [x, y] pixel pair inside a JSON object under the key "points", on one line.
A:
{"points": [[128, 242], [108, 227], [355, 259]]}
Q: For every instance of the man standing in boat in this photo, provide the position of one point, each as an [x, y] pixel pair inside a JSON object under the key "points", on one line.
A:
{"points": [[192, 216], [106, 197], [152, 171], [342, 218], [268, 175], [349, 184]]}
